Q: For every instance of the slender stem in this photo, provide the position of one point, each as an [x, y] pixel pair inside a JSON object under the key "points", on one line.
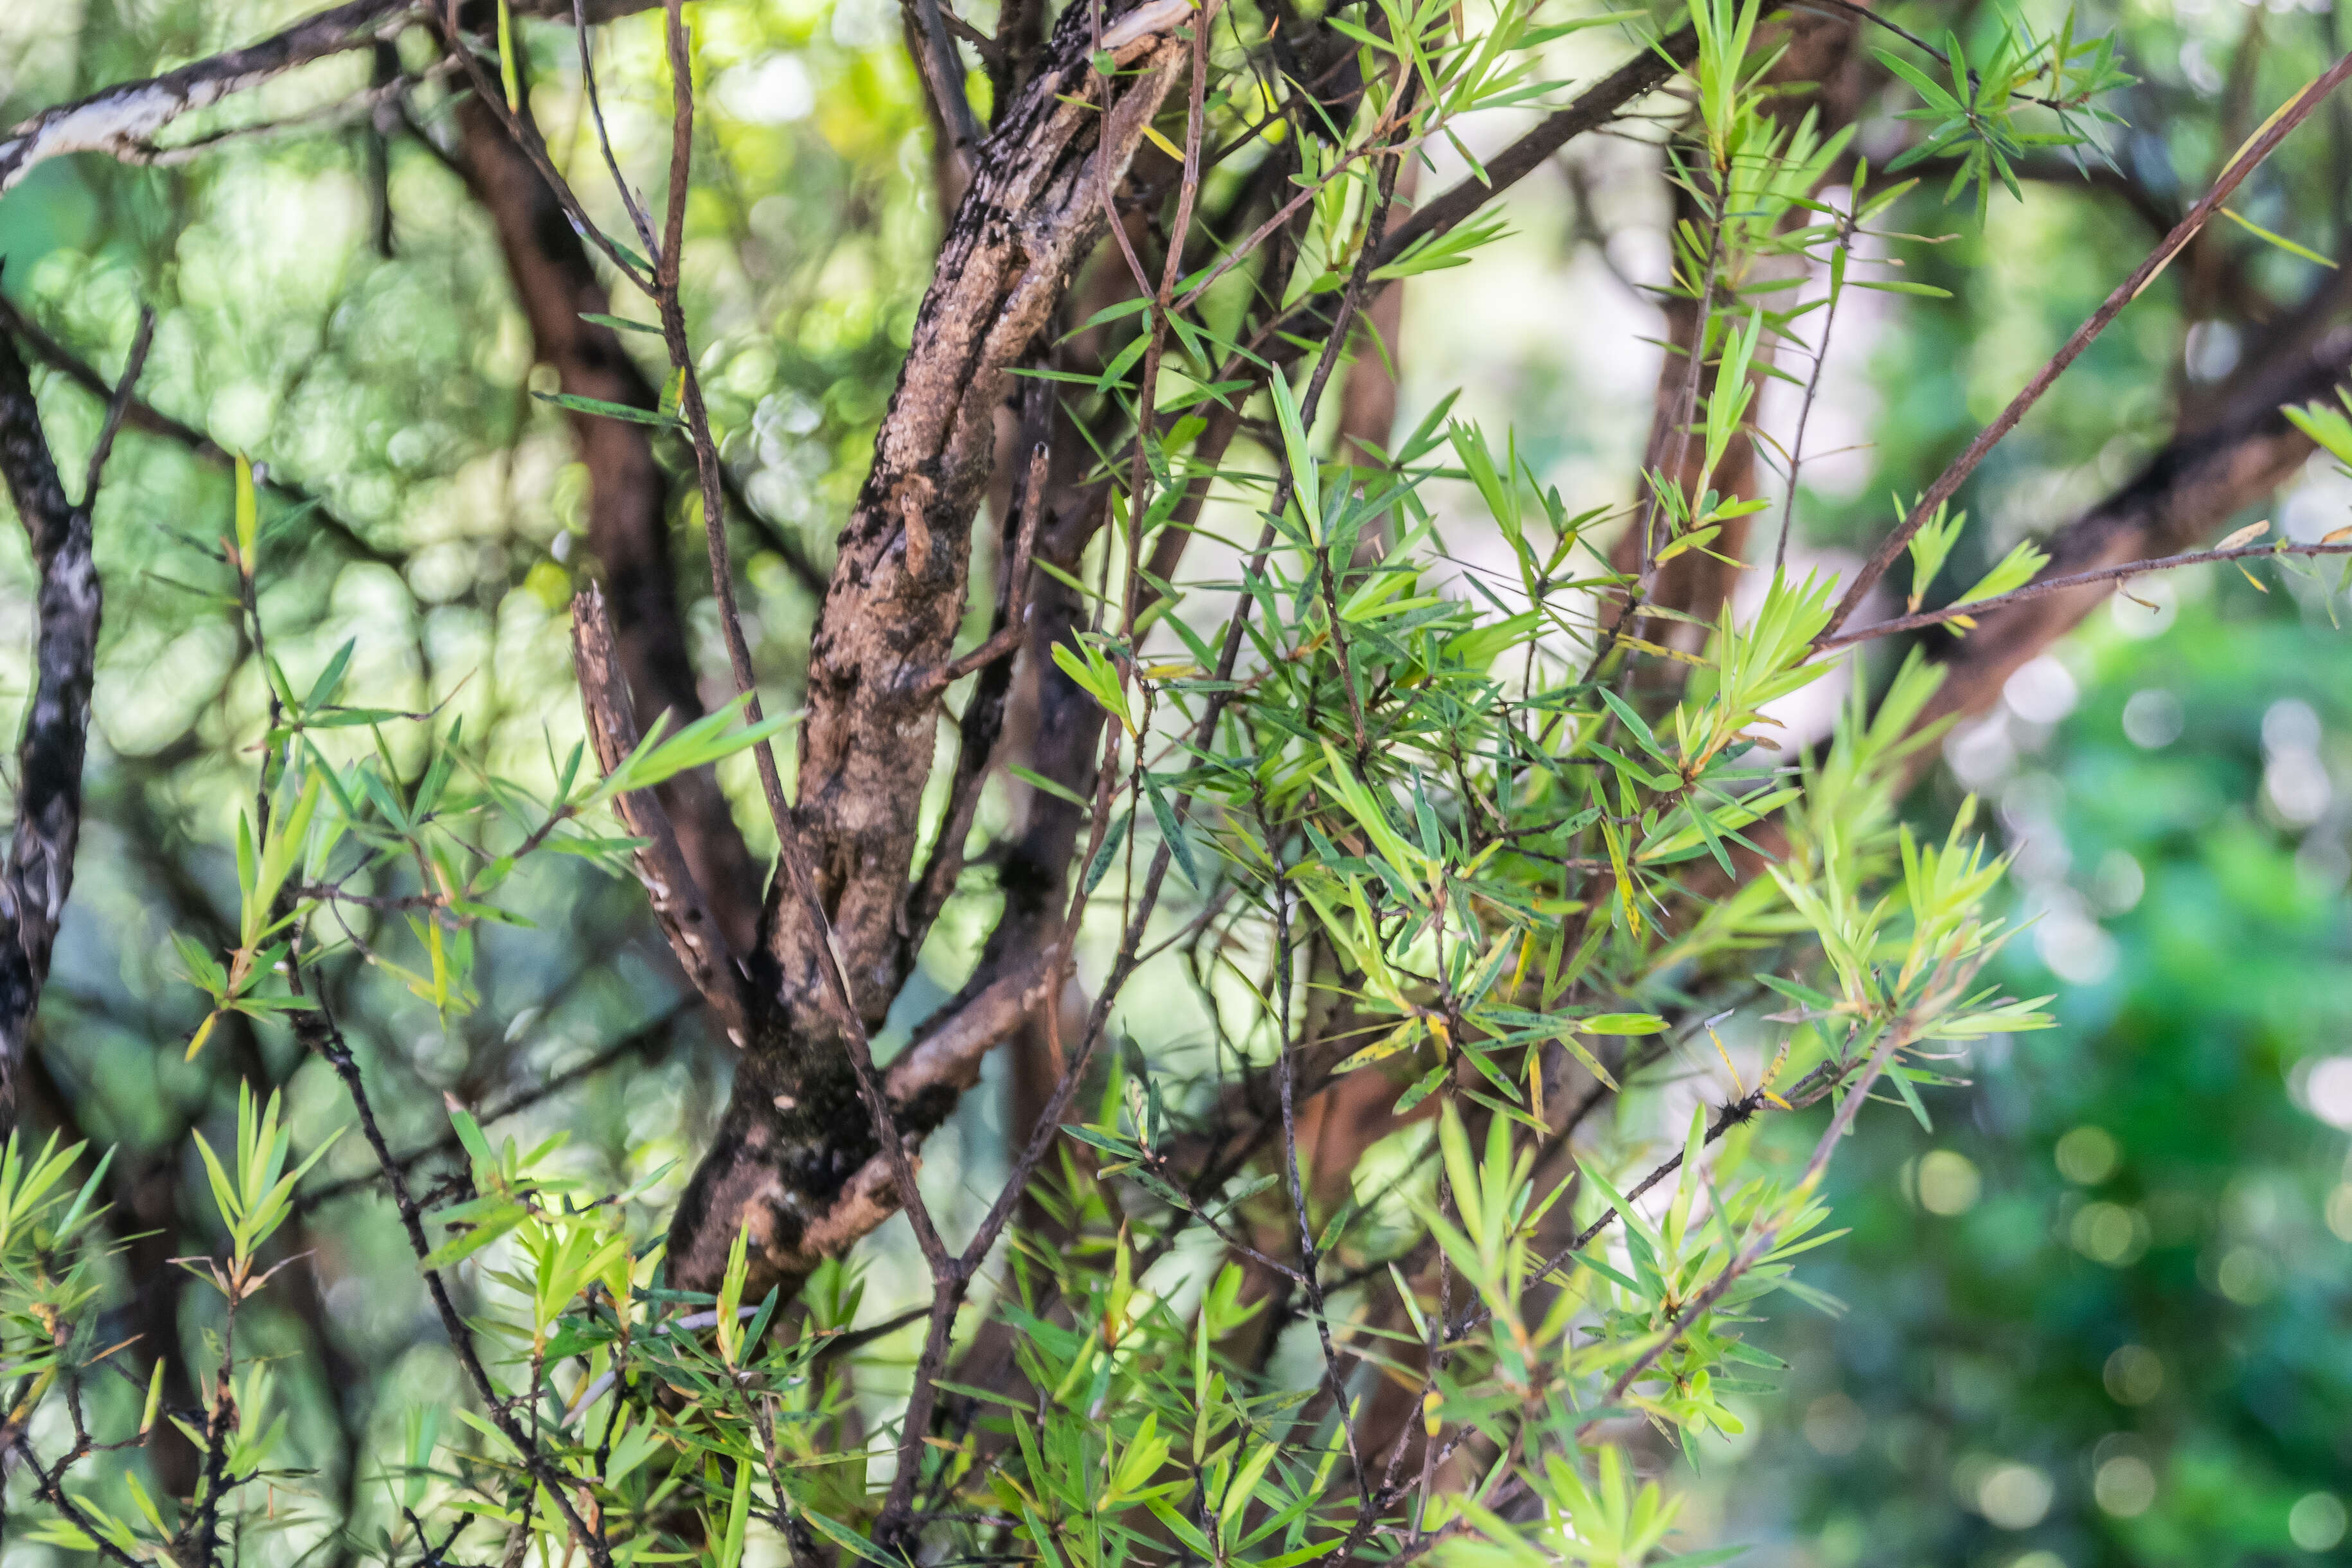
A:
{"points": [[119, 404], [1309, 1259], [1685, 408], [48, 1488], [1757, 1248], [651, 1032], [526, 136], [629, 201], [1805, 415]]}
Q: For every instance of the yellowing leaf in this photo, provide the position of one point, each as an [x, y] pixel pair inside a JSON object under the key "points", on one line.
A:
{"points": [[247, 515], [1659, 650]]}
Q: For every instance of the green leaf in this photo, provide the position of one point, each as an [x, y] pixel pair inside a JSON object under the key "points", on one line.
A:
{"points": [[1053, 787], [247, 517], [598, 406], [1172, 832], [1306, 481], [2015, 570], [2280, 240], [621, 323], [1100, 867], [1622, 1023]]}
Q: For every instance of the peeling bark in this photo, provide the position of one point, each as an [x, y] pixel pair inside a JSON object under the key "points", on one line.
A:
{"points": [[795, 1151], [679, 904]]}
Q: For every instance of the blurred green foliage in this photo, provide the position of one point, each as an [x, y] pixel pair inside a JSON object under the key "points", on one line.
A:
{"points": [[2123, 1259]]}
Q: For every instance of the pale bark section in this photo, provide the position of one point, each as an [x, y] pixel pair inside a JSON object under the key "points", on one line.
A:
{"points": [[120, 121]]}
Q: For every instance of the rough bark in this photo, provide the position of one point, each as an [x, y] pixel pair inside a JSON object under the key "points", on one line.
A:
{"points": [[677, 896], [1034, 211], [795, 1148]]}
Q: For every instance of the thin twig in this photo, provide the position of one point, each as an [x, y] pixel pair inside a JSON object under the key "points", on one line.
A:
{"points": [[2047, 587], [942, 72], [629, 201], [1805, 413], [1898, 1035], [119, 404], [628, 1045], [526, 136], [2250, 158], [1308, 1258], [324, 1037], [50, 1488]]}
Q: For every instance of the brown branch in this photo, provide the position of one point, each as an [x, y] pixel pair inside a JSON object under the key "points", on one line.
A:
{"points": [[793, 1135], [941, 69], [835, 995], [924, 1083], [2187, 490], [677, 898], [2043, 588], [891, 612], [48, 1486]]}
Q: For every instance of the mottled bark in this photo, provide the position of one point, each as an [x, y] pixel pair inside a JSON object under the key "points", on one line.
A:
{"points": [[1034, 209], [671, 887], [38, 872]]}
